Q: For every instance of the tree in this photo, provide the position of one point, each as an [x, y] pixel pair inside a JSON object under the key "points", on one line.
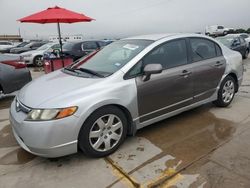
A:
{"points": [[240, 30], [248, 30]]}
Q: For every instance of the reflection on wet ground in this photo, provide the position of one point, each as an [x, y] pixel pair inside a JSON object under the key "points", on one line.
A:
{"points": [[186, 137], [16, 157], [6, 102], [7, 138]]}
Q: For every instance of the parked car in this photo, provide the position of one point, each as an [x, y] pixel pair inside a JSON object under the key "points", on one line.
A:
{"points": [[217, 30], [79, 49], [28, 47], [236, 43], [35, 56], [126, 86], [5, 44], [245, 36], [7, 49], [13, 74]]}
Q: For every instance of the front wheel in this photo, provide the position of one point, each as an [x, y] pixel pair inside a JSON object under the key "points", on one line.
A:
{"points": [[103, 132], [38, 61], [226, 92]]}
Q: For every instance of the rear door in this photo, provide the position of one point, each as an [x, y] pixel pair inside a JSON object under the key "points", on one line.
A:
{"points": [[170, 90], [208, 67]]}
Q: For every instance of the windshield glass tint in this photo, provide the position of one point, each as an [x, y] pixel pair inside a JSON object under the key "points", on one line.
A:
{"points": [[115, 56], [227, 41]]}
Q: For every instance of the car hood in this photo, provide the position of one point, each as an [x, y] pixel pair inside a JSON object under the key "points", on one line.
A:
{"points": [[53, 86]]}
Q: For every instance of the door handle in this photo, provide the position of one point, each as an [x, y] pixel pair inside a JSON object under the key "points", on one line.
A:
{"points": [[218, 64], [185, 73]]}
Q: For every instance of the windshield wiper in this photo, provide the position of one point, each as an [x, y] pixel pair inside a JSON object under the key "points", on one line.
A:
{"points": [[90, 72]]}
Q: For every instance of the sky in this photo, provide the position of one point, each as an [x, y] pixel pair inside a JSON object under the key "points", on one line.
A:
{"points": [[123, 18]]}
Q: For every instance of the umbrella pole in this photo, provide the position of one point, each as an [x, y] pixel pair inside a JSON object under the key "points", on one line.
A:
{"points": [[60, 41]]}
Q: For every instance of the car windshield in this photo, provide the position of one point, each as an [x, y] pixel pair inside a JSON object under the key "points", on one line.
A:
{"points": [[114, 56], [45, 47], [227, 41]]}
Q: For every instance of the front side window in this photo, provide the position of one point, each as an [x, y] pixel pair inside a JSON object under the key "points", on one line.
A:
{"points": [[202, 49], [220, 27], [169, 55]]}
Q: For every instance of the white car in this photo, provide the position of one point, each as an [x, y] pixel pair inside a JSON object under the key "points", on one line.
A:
{"points": [[5, 44], [216, 30], [35, 56]]}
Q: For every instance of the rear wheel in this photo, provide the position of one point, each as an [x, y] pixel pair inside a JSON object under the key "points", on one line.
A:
{"points": [[103, 132], [38, 61], [226, 92]]}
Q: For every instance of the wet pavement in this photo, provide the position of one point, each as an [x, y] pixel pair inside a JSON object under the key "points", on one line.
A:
{"points": [[203, 147]]}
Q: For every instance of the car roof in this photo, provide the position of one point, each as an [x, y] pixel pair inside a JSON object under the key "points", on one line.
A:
{"points": [[155, 37]]}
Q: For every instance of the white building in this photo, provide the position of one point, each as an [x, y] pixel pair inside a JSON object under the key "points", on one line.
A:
{"points": [[66, 38]]}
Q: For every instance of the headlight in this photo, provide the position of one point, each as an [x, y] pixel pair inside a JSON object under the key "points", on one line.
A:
{"points": [[50, 114]]}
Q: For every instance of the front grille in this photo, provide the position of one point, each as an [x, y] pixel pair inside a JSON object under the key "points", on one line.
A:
{"points": [[22, 107]]}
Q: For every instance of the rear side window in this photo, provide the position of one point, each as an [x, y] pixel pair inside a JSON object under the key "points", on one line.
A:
{"points": [[202, 49], [218, 50], [169, 55]]}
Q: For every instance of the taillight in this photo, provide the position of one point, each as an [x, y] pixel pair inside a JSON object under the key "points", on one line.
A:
{"points": [[16, 64]]}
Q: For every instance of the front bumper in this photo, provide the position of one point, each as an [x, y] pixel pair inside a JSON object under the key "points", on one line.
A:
{"points": [[45, 138]]}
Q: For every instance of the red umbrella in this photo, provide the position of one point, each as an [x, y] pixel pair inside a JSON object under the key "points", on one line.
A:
{"points": [[56, 15]]}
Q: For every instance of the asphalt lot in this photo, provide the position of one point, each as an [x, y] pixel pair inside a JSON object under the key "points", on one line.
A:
{"points": [[204, 147]]}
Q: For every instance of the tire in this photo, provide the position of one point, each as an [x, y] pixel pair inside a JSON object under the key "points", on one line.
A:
{"points": [[103, 132], [226, 92], [246, 54], [38, 61]]}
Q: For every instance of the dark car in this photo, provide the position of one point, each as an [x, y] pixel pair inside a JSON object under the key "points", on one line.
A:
{"points": [[236, 43], [13, 74], [7, 50], [79, 49], [28, 47]]}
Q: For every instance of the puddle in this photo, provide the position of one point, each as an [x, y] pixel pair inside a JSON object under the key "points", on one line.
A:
{"points": [[6, 101], [7, 138], [189, 135], [16, 157]]}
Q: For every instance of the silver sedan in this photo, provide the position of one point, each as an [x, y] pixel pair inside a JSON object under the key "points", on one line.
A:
{"points": [[93, 105]]}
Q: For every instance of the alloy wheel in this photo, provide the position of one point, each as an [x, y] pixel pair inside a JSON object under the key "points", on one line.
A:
{"points": [[228, 91], [106, 132], [38, 61]]}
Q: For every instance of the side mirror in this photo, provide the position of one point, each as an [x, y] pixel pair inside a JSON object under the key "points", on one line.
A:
{"points": [[151, 69]]}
